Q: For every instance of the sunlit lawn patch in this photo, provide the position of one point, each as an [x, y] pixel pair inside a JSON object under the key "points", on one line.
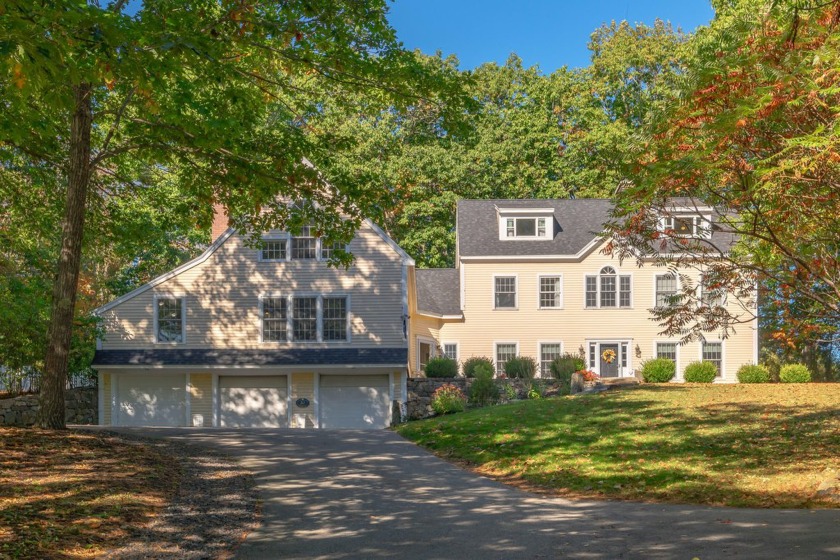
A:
{"points": [[74, 495], [737, 445]]}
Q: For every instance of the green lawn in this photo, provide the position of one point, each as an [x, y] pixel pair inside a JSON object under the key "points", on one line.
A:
{"points": [[736, 445]]}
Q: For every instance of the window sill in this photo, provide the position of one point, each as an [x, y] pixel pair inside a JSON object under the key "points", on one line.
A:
{"points": [[505, 309]]}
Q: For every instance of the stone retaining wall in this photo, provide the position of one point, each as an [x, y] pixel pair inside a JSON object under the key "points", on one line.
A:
{"points": [[82, 407], [421, 389]]}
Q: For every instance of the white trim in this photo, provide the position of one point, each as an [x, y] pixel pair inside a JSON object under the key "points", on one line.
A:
{"points": [[722, 343], [577, 257], [391, 399], [515, 277], [496, 353], [432, 353], [115, 410], [406, 319], [520, 210], [278, 236], [562, 290], [187, 399], [656, 277], [618, 275], [407, 260], [548, 223], [155, 325], [619, 341], [443, 344], [290, 367], [678, 373], [319, 318], [100, 395], [217, 402], [539, 355], [461, 287], [171, 274], [438, 315], [316, 397], [289, 401]]}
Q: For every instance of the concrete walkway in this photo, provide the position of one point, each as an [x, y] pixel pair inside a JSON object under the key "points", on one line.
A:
{"points": [[354, 494]]}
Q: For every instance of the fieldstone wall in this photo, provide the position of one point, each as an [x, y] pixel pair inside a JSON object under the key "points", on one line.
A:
{"points": [[82, 407], [421, 389]]}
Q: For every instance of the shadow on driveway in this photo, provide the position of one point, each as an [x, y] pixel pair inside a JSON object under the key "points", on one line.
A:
{"points": [[372, 494]]}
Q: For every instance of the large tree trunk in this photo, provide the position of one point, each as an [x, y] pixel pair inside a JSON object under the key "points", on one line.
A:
{"points": [[67, 272]]}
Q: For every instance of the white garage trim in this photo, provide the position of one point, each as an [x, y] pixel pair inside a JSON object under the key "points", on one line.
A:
{"points": [[317, 404]]}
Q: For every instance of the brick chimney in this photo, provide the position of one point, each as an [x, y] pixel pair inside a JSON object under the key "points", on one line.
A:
{"points": [[220, 222]]}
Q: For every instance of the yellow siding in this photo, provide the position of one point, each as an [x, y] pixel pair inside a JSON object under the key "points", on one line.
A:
{"points": [[201, 399], [106, 399], [303, 386], [425, 328], [223, 294], [573, 325]]}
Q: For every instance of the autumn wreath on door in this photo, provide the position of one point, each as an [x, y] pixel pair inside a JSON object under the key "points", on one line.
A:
{"points": [[608, 356]]}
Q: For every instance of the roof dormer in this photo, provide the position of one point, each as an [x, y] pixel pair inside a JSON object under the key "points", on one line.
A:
{"points": [[686, 223], [525, 223]]}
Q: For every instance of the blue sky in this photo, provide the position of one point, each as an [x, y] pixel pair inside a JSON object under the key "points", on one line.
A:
{"points": [[548, 33]]}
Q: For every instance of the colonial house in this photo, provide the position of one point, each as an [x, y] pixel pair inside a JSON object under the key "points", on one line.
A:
{"points": [[268, 337], [530, 279]]}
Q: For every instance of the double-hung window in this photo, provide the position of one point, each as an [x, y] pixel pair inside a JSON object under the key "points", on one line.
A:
{"points": [[504, 352], [275, 319], [305, 318], [450, 350], [304, 246], [335, 318], [505, 292], [549, 351], [551, 292], [609, 289], [170, 319], [667, 350], [710, 295], [666, 290], [713, 352], [328, 250], [274, 249]]}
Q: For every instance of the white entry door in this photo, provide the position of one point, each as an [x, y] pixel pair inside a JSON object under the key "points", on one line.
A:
{"points": [[355, 401], [254, 401], [151, 400]]}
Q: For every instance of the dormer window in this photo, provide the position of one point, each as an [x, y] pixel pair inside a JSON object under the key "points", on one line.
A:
{"points": [[526, 223], [686, 225]]}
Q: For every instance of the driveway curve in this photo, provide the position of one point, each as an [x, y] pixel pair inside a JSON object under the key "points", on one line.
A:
{"points": [[372, 494]]}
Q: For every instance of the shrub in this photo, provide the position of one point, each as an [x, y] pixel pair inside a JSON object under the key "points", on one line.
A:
{"points": [[659, 370], [700, 372], [521, 367], [563, 367], [441, 366], [483, 390], [447, 399], [471, 363], [795, 373], [749, 373]]}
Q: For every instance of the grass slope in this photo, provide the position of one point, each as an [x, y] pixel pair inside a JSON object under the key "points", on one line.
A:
{"points": [[74, 495], [735, 445]]}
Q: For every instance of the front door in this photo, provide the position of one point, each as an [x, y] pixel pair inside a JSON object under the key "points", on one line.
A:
{"points": [[609, 360]]}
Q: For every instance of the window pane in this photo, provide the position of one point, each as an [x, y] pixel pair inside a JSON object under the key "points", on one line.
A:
{"points": [[710, 297], [304, 318], [667, 350], [625, 295], [451, 351], [510, 227], [666, 290], [624, 354], [504, 352], [608, 291], [526, 227], [684, 226], [548, 353], [274, 250], [591, 355], [303, 247], [591, 291], [550, 291], [713, 352], [424, 354], [505, 292], [541, 227], [274, 319], [170, 320], [335, 318], [328, 250]]}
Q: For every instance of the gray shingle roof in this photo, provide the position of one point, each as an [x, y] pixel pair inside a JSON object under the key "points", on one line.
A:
{"points": [[228, 357], [438, 291], [577, 223]]}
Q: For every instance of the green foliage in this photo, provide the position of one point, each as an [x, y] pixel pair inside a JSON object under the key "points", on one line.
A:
{"points": [[483, 390], [535, 392], [521, 367], [658, 370], [749, 373], [563, 367], [448, 399], [795, 373], [700, 372], [441, 366], [475, 362]]}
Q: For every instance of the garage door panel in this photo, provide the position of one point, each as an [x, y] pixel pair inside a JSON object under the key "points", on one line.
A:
{"points": [[357, 402], [152, 400], [253, 401]]}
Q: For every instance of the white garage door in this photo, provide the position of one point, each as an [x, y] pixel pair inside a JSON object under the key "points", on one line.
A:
{"points": [[355, 401], [256, 401], [151, 400]]}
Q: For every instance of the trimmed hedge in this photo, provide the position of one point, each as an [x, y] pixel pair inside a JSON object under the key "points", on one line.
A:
{"points": [[700, 372], [659, 370], [441, 366], [749, 373], [521, 367], [795, 373], [472, 363]]}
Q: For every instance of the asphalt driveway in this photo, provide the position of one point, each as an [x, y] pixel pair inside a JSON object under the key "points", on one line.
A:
{"points": [[354, 494]]}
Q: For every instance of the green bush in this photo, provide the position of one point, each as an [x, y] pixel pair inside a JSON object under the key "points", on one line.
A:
{"points": [[447, 399], [700, 372], [441, 366], [471, 363], [795, 373], [521, 367], [749, 373], [659, 370], [483, 390], [563, 367]]}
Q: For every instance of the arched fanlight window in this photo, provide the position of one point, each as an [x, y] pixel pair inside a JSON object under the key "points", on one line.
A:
{"points": [[608, 289]]}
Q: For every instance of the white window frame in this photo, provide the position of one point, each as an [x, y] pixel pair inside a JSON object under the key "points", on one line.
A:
{"points": [[722, 355], [446, 343], [701, 291], [515, 293], [535, 214], [679, 374], [156, 325], [319, 317], [656, 293], [432, 349], [281, 236], [319, 246], [698, 230], [628, 355], [618, 276], [496, 344], [540, 343], [561, 298]]}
